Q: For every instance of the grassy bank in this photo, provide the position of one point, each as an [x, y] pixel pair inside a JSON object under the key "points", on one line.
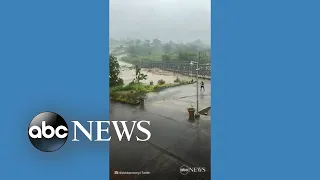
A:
{"points": [[130, 94]]}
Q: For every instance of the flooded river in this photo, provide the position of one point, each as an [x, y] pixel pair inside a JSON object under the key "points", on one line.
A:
{"points": [[128, 74]]}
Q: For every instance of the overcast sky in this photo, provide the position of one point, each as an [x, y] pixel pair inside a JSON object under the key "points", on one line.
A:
{"points": [[177, 20]]}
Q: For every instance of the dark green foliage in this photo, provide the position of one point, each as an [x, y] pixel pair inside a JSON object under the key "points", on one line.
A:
{"points": [[177, 80], [161, 82], [114, 79], [166, 58], [131, 93]]}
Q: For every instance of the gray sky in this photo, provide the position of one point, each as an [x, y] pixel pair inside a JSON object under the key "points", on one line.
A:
{"points": [[177, 20]]}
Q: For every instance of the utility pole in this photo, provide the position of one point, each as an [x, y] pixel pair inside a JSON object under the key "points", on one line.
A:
{"points": [[198, 83], [197, 76]]}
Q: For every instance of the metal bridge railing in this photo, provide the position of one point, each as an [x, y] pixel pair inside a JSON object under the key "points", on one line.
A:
{"points": [[180, 67]]}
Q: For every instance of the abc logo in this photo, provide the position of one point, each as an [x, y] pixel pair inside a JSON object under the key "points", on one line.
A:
{"points": [[184, 170], [48, 131]]}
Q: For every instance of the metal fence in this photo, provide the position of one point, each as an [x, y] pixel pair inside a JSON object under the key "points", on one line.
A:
{"points": [[184, 68]]}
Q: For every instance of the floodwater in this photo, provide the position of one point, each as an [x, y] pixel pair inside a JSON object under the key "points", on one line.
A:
{"points": [[128, 74]]}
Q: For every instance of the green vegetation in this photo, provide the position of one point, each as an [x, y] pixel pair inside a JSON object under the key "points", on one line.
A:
{"points": [[177, 80], [139, 76], [132, 92], [161, 82], [156, 50], [114, 79]]}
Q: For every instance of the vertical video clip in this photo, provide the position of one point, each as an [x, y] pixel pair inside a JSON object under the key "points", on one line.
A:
{"points": [[160, 71]]}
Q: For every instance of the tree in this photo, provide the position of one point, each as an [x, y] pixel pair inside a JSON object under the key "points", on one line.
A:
{"points": [[138, 41], [131, 50], [165, 58], [187, 56], [139, 76], [167, 48], [114, 66], [156, 42], [147, 47], [146, 43], [155, 50]]}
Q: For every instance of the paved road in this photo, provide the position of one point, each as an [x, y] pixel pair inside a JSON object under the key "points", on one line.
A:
{"points": [[182, 97], [175, 141]]}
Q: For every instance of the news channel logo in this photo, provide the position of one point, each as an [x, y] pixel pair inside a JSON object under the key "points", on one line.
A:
{"points": [[184, 169], [48, 131]]}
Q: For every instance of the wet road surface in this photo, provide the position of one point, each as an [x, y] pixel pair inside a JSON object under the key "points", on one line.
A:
{"points": [[174, 142]]}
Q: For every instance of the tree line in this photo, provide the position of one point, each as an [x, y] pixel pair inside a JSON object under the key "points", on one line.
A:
{"points": [[138, 50]]}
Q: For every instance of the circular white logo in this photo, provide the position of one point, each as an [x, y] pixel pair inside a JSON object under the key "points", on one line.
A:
{"points": [[184, 170], [48, 131]]}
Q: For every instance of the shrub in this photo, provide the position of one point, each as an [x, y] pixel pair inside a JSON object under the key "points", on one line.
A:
{"points": [[177, 80], [136, 87], [161, 82], [131, 83]]}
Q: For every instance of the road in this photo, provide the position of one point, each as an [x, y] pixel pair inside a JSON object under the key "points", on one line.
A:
{"points": [[175, 141]]}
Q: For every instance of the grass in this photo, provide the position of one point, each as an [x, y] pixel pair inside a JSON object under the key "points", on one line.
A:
{"points": [[131, 93]]}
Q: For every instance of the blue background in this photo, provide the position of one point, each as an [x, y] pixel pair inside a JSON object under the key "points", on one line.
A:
{"points": [[266, 92], [265, 101], [54, 57]]}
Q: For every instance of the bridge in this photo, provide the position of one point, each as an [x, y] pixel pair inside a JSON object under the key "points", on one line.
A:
{"points": [[184, 68]]}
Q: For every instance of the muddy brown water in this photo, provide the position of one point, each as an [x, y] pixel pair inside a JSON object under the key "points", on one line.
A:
{"points": [[128, 74]]}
